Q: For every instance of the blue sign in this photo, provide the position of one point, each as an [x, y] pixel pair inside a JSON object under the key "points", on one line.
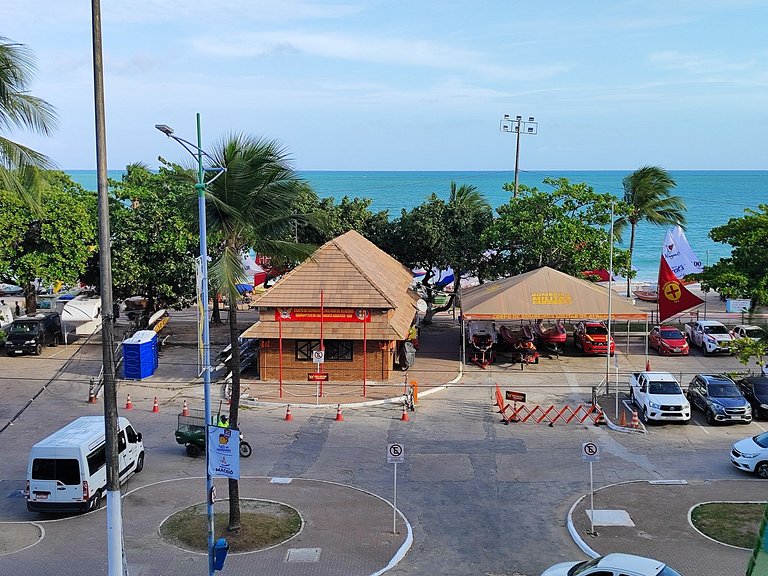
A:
{"points": [[223, 452]]}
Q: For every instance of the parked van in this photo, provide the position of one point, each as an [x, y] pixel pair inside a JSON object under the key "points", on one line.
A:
{"points": [[31, 333], [67, 472]]}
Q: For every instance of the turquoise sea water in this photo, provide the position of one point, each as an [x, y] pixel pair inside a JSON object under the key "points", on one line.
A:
{"points": [[712, 197]]}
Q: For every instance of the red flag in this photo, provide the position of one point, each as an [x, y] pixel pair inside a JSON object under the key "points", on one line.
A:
{"points": [[674, 297]]}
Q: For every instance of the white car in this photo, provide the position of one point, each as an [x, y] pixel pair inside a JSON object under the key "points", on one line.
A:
{"points": [[748, 331], [612, 565], [751, 454]]}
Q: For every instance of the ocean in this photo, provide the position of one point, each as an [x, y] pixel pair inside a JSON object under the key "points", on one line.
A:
{"points": [[711, 197]]}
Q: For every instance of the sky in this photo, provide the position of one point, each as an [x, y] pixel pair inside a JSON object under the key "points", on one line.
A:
{"points": [[419, 85]]}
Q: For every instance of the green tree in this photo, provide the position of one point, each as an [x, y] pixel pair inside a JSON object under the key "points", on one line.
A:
{"points": [[745, 349], [565, 229], [744, 274], [52, 241], [19, 109], [647, 198], [252, 205]]}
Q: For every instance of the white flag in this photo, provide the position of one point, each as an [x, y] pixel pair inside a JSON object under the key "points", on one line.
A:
{"points": [[679, 254]]}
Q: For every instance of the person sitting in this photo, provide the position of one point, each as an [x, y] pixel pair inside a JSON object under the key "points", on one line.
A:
{"points": [[222, 421]]}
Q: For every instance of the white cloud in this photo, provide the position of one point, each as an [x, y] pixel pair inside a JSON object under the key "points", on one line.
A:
{"points": [[694, 63]]}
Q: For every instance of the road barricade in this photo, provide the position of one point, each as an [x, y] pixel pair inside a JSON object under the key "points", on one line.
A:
{"points": [[538, 414]]}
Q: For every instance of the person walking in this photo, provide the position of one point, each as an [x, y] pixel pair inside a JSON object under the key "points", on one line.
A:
{"points": [[17, 310]]}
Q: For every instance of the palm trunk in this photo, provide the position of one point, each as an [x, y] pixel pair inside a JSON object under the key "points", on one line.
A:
{"points": [[216, 317], [234, 488], [629, 269]]}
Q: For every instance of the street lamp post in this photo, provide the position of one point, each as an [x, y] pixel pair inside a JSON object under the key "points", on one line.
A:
{"points": [[518, 126], [198, 152]]}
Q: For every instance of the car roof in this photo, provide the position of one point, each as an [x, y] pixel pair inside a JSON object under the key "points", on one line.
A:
{"points": [[668, 327], [710, 323], [711, 378], [637, 564], [756, 379], [747, 326]]}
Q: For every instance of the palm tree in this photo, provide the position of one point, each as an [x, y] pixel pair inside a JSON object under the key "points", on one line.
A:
{"points": [[19, 109], [249, 207], [647, 198]]}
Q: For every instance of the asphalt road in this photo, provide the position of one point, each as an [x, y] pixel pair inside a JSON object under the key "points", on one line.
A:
{"points": [[482, 497]]}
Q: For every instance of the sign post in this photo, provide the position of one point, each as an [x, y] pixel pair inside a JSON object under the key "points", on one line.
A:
{"points": [[395, 455], [318, 357], [591, 453]]}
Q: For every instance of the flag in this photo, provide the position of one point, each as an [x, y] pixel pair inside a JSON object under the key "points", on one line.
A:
{"points": [[673, 296], [679, 255]]}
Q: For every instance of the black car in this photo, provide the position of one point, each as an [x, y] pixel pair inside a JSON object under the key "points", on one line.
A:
{"points": [[31, 333], [719, 399], [755, 390]]}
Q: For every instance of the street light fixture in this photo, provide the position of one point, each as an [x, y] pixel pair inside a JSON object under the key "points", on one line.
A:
{"points": [[199, 153], [518, 126]]}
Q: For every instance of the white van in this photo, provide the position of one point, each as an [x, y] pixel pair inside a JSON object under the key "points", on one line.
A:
{"points": [[67, 471]]}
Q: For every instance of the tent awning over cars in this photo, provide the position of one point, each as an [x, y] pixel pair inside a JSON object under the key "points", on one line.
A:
{"points": [[544, 293]]}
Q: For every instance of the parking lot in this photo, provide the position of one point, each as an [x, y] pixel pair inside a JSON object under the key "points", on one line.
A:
{"points": [[511, 486]]}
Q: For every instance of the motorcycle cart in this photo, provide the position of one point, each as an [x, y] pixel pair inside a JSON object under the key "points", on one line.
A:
{"points": [[190, 433]]}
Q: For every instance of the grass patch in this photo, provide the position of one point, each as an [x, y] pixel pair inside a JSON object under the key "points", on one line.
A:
{"points": [[729, 522], [264, 524]]}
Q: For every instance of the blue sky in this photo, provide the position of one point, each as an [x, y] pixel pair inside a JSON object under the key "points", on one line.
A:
{"points": [[393, 85]]}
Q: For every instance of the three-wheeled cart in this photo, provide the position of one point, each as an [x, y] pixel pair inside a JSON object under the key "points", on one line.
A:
{"points": [[190, 433]]}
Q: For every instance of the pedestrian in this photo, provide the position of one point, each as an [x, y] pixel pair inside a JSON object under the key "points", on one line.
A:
{"points": [[18, 310]]}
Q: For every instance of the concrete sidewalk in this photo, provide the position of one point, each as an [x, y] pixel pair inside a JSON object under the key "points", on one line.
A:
{"points": [[652, 519]]}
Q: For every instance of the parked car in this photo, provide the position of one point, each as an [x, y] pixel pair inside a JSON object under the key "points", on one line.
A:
{"points": [[668, 340], [755, 390], [623, 564], [749, 331], [592, 338], [31, 333], [719, 399], [751, 455], [659, 397], [709, 335]]}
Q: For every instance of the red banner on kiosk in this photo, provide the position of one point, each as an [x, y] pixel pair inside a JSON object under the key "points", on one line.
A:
{"points": [[328, 315]]}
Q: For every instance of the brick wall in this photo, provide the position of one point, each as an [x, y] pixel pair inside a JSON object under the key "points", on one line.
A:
{"points": [[379, 362]]}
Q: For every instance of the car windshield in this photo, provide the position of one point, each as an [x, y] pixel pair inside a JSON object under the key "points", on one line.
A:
{"points": [[724, 391], [665, 388], [597, 330], [24, 328], [672, 334], [667, 571], [754, 333], [581, 568], [715, 329], [761, 440]]}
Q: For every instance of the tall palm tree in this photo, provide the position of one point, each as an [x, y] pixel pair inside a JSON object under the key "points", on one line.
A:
{"points": [[19, 109], [249, 207], [647, 198]]}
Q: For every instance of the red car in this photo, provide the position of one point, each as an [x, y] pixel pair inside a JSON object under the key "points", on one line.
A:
{"points": [[592, 337], [668, 340]]}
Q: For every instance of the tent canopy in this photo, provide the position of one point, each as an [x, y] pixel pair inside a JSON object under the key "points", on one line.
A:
{"points": [[544, 293]]}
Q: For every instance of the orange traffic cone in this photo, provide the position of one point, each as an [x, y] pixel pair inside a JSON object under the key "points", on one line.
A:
{"points": [[339, 417], [128, 403], [288, 416], [648, 365], [635, 422], [600, 418], [91, 396], [623, 419], [155, 406], [185, 409], [404, 417]]}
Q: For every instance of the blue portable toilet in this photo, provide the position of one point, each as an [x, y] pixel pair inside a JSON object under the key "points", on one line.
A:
{"points": [[140, 355]]}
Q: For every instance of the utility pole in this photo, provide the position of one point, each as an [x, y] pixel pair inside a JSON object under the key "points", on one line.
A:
{"points": [[518, 126], [114, 512]]}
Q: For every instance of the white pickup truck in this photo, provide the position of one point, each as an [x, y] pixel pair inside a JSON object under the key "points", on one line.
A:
{"points": [[659, 397], [709, 335]]}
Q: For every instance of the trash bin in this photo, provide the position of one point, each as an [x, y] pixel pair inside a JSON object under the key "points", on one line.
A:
{"points": [[140, 355], [220, 550]]}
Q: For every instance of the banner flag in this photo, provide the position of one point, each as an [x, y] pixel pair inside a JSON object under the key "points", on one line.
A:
{"points": [[679, 255], [223, 447], [674, 297]]}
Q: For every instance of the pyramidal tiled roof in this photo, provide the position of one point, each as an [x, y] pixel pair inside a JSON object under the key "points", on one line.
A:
{"points": [[350, 270]]}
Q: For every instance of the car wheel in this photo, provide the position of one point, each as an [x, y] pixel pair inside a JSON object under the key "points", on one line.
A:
{"points": [[96, 504], [139, 463], [645, 416], [710, 418], [193, 450], [56, 341], [761, 470], [38, 349]]}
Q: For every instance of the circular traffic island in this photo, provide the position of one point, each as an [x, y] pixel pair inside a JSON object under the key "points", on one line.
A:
{"points": [[264, 524], [731, 523]]}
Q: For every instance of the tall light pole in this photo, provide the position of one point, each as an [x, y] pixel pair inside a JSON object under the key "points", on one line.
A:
{"points": [[518, 126], [198, 152], [610, 312]]}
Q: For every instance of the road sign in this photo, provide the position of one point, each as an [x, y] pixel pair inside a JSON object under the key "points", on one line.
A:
{"points": [[318, 356], [317, 377], [515, 396], [395, 454], [590, 452]]}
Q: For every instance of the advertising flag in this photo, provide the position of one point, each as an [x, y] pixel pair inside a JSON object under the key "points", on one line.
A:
{"points": [[674, 297], [679, 255], [223, 452]]}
